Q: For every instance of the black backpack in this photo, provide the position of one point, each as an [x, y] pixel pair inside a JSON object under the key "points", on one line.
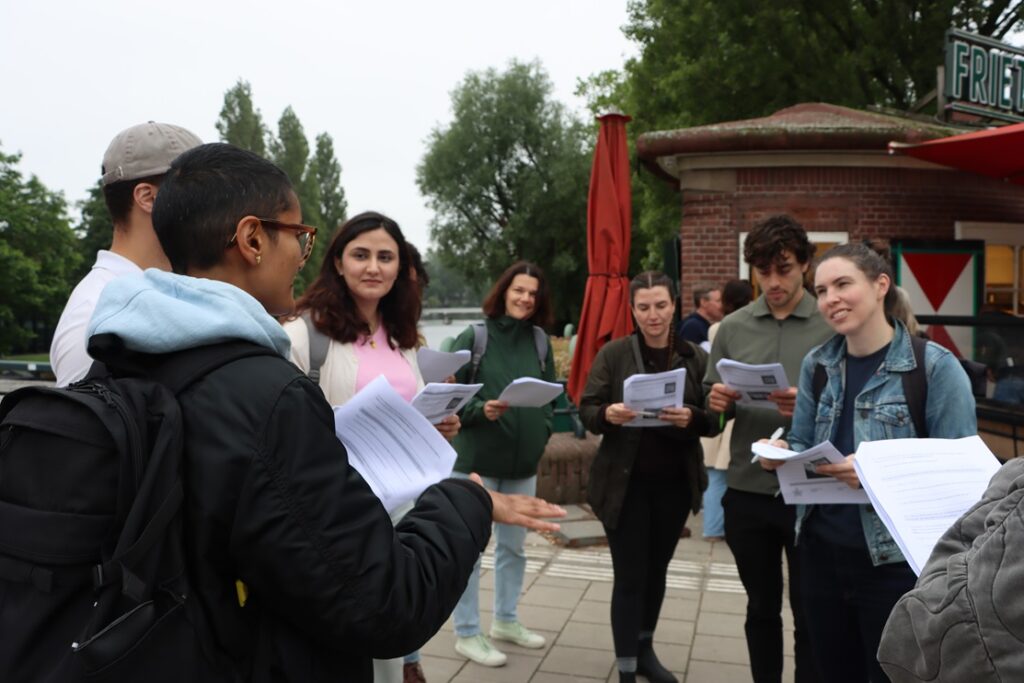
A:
{"points": [[93, 583]]}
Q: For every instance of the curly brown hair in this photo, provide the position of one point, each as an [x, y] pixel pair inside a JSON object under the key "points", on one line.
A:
{"points": [[771, 237], [494, 302], [332, 308]]}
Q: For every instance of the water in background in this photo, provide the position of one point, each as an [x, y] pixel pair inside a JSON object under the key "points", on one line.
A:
{"points": [[438, 323]]}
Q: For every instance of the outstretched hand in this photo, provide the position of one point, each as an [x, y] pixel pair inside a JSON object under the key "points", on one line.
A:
{"points": [[520, 510]]}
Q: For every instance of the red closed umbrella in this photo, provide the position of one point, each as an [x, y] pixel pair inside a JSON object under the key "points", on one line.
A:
{"points": [[605, 313]]}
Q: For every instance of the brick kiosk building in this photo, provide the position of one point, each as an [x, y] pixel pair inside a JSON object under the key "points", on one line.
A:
{"points": [[827, 166]]}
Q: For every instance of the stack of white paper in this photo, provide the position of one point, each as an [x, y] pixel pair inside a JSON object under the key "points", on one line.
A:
{"points": [[437, 366], [800, 484], [649, 393], [919, 487], [754, 382], [529, 392], [437, 401], [398, 452]]}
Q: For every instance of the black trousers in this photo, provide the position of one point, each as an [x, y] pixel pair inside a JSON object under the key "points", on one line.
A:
{"points": [[653, 514], [759, 529], [847, 601]]}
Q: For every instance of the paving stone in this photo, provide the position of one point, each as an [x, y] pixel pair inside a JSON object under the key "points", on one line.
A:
{"points": [[546, 677], [584, 634], [545, 580], [580, 534], [577, 661], [594, 612], [680, 609], [599, 591], [720, 649], [517, 670], [440, 669], [721, 624], [676, 632], [716, 672], [730, 603], [552, 596], [538, 617]]}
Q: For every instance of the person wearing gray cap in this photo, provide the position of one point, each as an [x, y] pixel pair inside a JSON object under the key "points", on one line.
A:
{"points": [[133, 166]]}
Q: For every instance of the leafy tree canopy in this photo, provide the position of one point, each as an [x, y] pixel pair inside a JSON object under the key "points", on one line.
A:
{"points": [[507, 179]]}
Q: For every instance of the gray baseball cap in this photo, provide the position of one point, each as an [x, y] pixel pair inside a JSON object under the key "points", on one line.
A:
{"points": [[145, 150]]}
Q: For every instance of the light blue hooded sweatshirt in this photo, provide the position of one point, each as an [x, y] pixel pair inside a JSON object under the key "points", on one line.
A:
{"points": [[159, 312]]}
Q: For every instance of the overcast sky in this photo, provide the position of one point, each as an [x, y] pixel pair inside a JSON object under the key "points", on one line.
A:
{"points": [[375, 75]]}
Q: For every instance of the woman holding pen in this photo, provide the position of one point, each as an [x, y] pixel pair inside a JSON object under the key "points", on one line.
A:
{"points": [[644, 481], [852, 389], [503, 445]]}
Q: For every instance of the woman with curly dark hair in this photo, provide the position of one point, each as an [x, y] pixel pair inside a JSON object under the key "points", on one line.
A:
{"points": [[361, 313]]}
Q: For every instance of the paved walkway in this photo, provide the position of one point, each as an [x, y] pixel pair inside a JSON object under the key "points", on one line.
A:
{"points": [[566, 598]]}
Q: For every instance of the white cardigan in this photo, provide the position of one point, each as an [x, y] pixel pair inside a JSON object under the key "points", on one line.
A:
{"points": [[341, 367]]}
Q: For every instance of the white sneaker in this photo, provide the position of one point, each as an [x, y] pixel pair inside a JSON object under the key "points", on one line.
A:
{"points": [[514, 632], [478, 649]]}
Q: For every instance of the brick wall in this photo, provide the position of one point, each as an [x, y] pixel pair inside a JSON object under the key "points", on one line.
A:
{"points": [[864, 202]]}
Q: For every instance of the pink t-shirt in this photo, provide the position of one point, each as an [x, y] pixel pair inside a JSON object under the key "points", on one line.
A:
{"points": [[377, 358]]}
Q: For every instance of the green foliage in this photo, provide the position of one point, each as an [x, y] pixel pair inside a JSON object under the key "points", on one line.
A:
{"points": [[705, 61], [448, 288], [240, 124], [507, 179], [327, 170], [38, 258], [94, 229]]}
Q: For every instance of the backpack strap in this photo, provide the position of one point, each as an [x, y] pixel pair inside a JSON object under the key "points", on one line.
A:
{"points": [[818, 381], [318, 345], [540, 342], [915, 388], [479, 348]]}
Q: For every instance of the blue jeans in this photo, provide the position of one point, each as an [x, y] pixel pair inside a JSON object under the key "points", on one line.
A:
{"points": [[509, 565], [714, 515]]}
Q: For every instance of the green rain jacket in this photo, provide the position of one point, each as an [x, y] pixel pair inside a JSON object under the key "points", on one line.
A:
{"points": [[511, 446]]}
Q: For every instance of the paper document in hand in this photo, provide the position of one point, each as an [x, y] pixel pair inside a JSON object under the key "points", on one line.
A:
{"points": [[437, 401], [652, 392], [919, 487], [527, 392], [754, 382], [437, 366], [800, 484], [398, 452]]}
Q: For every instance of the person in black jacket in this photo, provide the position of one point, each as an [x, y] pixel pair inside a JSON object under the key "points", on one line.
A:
{"points": [[644, 481], [293, 559]]}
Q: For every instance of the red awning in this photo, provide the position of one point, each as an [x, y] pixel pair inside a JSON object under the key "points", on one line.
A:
{"points": [[605, 314], [997, 153]]}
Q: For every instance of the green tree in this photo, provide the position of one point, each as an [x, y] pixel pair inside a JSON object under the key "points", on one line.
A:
{"points": [[507, 179], [704, 61], [241, 124], [327, 171], [38, 259], [447, 286], [94, 229]]}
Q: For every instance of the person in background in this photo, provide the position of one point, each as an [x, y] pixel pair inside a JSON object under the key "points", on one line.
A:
{"points": [[707, 304], [735, 295], [504, 445], [133, 167], [644, 482], [780, 326], [367, 303], [851, 570]]}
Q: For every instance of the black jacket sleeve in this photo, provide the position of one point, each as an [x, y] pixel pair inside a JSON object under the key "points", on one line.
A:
{"points": [[315, 545]]}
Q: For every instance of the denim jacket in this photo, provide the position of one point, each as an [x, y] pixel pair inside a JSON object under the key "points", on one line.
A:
{"points": [[881, 412]]}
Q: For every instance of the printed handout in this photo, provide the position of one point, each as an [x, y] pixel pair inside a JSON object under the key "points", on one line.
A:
{"points": [[649, 393], [437, 366], [437, 401], [528, 392], [919, 487], [754, 382], [398, 452], [800, 484]]}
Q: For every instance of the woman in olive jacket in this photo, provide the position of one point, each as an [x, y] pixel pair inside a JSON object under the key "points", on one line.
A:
{"points": [[644, 481]]}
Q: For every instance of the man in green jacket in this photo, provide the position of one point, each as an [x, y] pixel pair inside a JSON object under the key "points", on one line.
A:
{"points": [[780, 326]]}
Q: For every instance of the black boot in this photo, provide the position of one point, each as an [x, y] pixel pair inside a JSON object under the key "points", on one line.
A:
{"points": [[647, 664], [627, 677]]}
